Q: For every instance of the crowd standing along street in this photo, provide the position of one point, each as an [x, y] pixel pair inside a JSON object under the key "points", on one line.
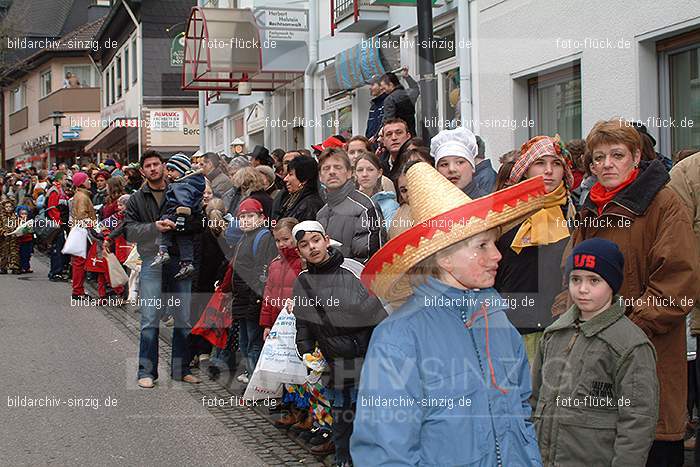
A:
{"points": [[407, 235]]}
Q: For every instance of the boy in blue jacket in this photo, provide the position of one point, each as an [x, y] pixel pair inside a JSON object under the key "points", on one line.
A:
{"points": [[183, 197]]}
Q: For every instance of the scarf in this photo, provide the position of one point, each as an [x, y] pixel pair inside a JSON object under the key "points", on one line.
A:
{"points": [[546, 226], [601, 196]]}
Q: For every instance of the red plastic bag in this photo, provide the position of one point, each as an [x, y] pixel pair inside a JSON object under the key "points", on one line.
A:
{"points": [[215, 321]]}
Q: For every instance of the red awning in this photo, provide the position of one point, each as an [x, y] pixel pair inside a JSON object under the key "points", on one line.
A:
{"points": [[223, 48]]}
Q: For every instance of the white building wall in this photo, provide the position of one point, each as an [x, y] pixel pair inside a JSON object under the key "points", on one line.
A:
{"points": [[517, 38]]}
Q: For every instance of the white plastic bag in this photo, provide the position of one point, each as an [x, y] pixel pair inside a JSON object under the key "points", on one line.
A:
{"points": [[279, 362], [133, 261], [76, 242], [117, 275]]}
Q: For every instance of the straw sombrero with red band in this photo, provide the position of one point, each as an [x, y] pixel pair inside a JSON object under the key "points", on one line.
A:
{"points": [[443, 215]]}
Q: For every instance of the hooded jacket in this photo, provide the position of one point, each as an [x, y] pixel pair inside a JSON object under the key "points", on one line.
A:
{"points": [[282, 272], [339, 313], [351, 218], [186, 191], [484, 180], [652, 227], [250, 273], [438, 389], [142, 212], [594, 385]]}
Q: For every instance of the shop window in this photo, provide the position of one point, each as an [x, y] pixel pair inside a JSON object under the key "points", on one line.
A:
{"points": [[45, 83], [555, 103]]}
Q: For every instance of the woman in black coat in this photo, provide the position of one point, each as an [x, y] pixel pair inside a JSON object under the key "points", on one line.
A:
{"points": [[299, 199]]}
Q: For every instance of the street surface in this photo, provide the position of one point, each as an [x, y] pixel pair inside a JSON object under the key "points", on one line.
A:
{"points": [[69, 393]]}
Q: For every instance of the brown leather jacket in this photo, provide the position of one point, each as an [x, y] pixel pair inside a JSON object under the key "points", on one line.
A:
{"points": [[82, 209], [652, 227]]}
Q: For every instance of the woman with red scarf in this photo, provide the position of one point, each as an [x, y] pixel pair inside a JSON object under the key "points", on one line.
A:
{"points": [[632, 206]]}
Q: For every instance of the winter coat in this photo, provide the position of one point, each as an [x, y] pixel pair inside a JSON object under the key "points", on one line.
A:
{"points": [[220, 182], [186, 191], [142, 211], [250, 273], [401, 103], [652, 227], [375, 116], [534, 273], [594, 391], [351, 218], [282, 272], [343, 329], [82, 208], [386, 202], [304, 208], [685, 181], [55, 197], [100, 196], [460, 391], [484, 179]]}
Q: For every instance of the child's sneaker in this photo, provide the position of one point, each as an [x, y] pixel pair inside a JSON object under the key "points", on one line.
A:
{"points": [[243, 377], [186, 270], [162, 257]]}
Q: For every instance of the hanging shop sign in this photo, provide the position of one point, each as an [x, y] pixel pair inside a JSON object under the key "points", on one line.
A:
{"points": [[177, 50], [37, 144]]}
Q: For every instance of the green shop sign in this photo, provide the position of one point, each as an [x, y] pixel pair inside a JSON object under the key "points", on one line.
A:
{"points": [[177, 50]]}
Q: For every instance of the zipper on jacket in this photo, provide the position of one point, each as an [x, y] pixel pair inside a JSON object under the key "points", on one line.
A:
{"points": [[499, 459], [567, 353]]}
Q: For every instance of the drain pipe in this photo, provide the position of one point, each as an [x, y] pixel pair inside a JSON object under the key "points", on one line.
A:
{"points": [[465, 64], [139, 74], [202, 104], [309, 74]]}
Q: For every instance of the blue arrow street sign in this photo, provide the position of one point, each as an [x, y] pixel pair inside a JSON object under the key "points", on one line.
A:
{"points": [[76, 128], [70, 134]]}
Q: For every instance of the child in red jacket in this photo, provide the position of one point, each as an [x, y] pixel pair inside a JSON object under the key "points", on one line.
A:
{"points": [[282, 272]]}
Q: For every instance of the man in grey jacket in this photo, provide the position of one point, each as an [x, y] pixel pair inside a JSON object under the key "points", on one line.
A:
{"points": [[349, 216]]}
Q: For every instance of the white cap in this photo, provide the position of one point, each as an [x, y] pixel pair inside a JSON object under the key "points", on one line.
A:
{"points": [[459, 142], [302, 228], [237, 142]]}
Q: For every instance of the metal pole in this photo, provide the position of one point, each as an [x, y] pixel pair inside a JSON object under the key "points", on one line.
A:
{"points": [[55, 150], [426, 68]]}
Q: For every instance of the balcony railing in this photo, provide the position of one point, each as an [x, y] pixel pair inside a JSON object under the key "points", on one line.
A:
{"points": [[358, 15], [19, 120], [70, 100]]}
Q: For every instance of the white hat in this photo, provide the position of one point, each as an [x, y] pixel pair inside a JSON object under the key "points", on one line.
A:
{"points": [[237, 142], [459, 142], [302, 228]]}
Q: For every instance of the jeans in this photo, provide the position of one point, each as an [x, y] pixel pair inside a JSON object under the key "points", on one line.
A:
{"points": [[184, 242], [58, 259], [251, 342], [152, 282], [343, 412], [25, 254]]}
